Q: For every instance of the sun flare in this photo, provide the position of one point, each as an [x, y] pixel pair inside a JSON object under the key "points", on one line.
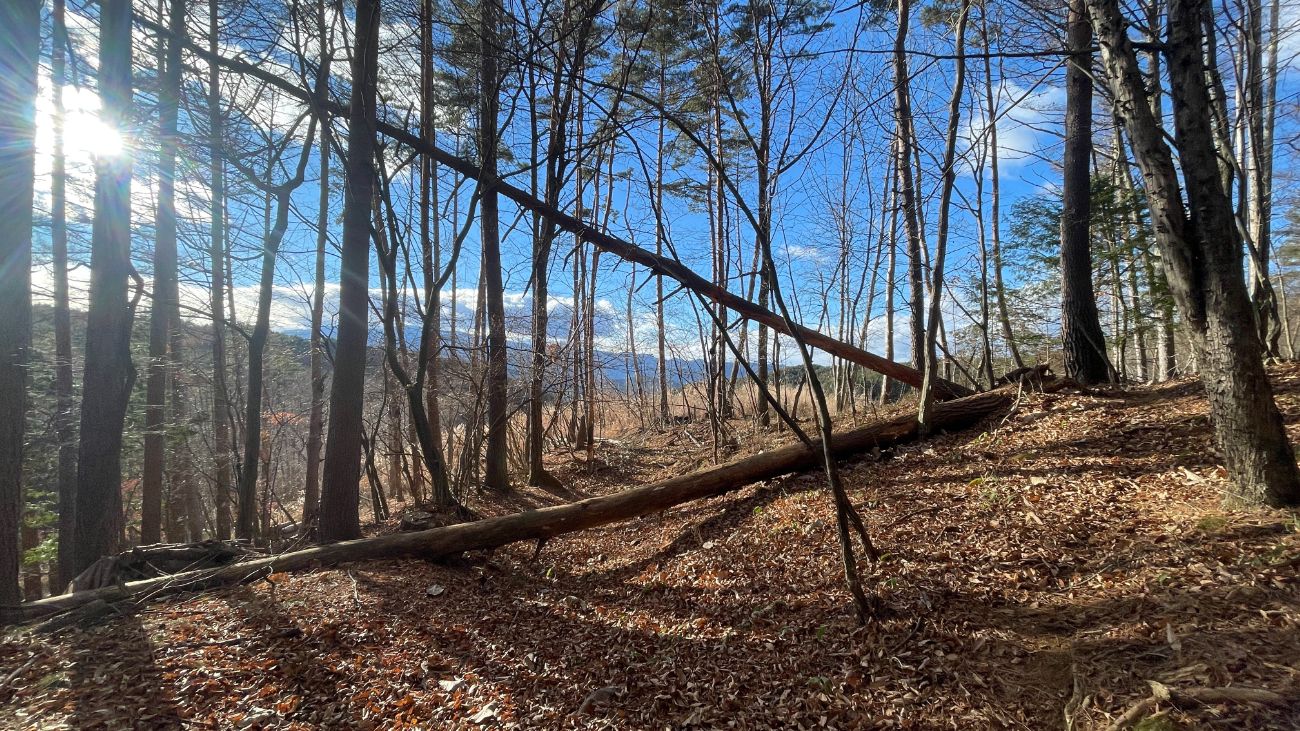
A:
{"points": [[85, 135], [85, 132]]}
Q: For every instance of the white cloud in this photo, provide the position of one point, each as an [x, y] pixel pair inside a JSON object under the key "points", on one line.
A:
{"points": [[1022, 115]]}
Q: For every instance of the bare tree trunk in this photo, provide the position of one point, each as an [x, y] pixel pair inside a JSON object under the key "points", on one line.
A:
{"points": [[555, 166], [339, 517], [986, 338], [31, 573], [1202, 253], [109, 373], [906, 185], [431, 246], [496, 468], [1259, 91], [999, 285], [246, 527], [945, 208], [20, 33], [220, 394], [65, 418], [316, 419], [1166, 341], [396, 440], [164, 282], [661, 234], [1084, 343], [282, 194], [891, 276]]}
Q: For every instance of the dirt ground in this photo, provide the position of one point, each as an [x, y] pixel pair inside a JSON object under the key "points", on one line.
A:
{"points": [[1037, 572]]}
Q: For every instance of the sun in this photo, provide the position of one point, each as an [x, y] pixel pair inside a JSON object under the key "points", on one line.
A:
{"points": [[85, 135], [85, 132]]}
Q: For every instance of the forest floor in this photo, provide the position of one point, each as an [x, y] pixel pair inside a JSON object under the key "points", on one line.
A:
{"points": [[1038, 568]]}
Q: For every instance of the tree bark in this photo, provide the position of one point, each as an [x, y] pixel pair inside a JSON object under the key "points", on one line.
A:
{"points": [[496, 467], [1081, 334], [1201, 248], [65, 419], [339, 510], [949, 173], [164, 283], [108, 373], [246, 525], [907, 188], [316, 418], [221, 443], [429, 431], [995, 180], [20, 33]]}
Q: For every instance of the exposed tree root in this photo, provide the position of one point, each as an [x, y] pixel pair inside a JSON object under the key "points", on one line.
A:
{"points": [[1162, 693]]}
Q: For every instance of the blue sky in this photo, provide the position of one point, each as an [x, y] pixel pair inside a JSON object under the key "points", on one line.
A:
{"points": [[1028, 95]]}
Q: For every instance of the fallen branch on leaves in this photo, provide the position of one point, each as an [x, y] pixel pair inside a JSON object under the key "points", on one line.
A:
{"points": [[163, 559], [546, 522], [1162, 693]]}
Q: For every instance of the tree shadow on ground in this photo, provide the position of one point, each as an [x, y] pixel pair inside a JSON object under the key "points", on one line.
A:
{"points": [[115, 681]]}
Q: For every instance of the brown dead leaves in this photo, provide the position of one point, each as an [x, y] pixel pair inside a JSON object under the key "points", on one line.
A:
{"points": [[1059, 560]]}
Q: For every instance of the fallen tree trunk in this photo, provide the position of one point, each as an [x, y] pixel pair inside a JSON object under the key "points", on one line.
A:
{"points": [[546, 522], [605, 242]]}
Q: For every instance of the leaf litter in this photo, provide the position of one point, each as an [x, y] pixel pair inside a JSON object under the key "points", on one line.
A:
{"points": [[1046, 571]]}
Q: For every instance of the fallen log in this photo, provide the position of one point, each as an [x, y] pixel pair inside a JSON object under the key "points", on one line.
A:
{"points": [[546, 522], [605, 242]]}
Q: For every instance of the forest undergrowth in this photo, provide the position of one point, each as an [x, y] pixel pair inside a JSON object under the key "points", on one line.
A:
{"points": [[1038, 571]]}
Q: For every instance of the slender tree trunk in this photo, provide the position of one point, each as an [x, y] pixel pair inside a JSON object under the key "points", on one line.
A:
{"points": [[339, 516], [316, 419], [906, 185], [164, 283], [986, 338], [995, 181], [1085, 344], [945, 207], [246, 526], [431, 248], [1132, 231], [20, 33], [65, 417], [217, 255], [396, 442], [1166, 341], [661, 234], [891, 275], [1259, 88], [765, 183], [1202, 251], [186, 505], [31, 573], [555, 166], [496, 468], [109, 373]]}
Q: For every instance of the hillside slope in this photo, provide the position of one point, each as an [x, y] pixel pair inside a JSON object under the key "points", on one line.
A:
{"points": [[1048, 565]]}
